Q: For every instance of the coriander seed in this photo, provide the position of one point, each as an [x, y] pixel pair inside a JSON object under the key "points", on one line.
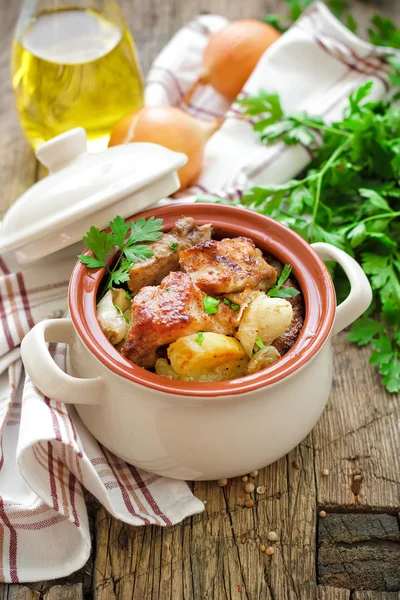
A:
{"points": [[245, 478], [270, 550], [325, 472], [254, 474], [272, 536], [222, 482], [322, 514], [249, 503], [249, 487], [262, 548], [261, 489]]}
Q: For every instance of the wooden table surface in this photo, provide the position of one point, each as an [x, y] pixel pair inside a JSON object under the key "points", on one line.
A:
{"points": [[216, 555]]}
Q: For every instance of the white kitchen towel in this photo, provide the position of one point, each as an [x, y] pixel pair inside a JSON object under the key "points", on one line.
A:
{"points": [[46, 454]]}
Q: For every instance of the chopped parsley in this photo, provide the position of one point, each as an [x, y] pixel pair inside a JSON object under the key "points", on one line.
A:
{"points": [[122, 314], [278, 291], [200, 338], [173, 246], [210, 305], [260, 343], [233, 306]]}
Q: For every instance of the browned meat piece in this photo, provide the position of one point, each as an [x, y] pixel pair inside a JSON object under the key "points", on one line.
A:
{"points": [[161, 315], [166, 250], [285, 341], [229, 265]]}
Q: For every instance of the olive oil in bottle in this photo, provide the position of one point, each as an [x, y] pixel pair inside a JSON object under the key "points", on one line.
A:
{"points": [[72, 67]]}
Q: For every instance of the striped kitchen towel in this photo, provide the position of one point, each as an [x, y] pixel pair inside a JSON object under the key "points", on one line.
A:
{"points": [[46, 454]]}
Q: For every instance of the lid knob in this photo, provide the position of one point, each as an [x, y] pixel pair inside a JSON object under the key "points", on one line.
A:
{"points": [[62, 149]]}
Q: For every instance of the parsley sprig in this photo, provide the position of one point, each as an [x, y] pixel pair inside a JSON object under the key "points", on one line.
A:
{"points": [[278, 291], [124, 236], [349, 196]]}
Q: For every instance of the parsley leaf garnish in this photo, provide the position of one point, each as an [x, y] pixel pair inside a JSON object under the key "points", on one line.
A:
{"points": [[278, 291], [232, 305], [259, 343], [173, 246], [103, 245], [210, 305], [122, 314], [200, 338]]}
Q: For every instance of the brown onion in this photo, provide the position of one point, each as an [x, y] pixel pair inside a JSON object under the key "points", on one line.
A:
{"points": [[172, 128], [232, 54]]}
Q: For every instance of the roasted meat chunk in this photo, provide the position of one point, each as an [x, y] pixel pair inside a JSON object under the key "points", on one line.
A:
{"points": [[162, 314], [229, 265], [166, 250], [285, 341]]}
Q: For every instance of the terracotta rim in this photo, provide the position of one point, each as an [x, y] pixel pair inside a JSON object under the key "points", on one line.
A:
{"points": [[269, 235]]}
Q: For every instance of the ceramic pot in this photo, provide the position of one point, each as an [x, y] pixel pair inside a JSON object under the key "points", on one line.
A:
{"points": [[191, 430]]}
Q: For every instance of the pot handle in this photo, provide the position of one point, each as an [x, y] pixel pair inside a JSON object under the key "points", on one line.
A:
{"points": [[46, 375], [360, 296]]}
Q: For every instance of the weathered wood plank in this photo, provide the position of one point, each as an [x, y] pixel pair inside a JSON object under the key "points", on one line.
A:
{"points": [[17, 592], [65, 592], [375, 596], [332, 593], [359, 551], [358, 437]]}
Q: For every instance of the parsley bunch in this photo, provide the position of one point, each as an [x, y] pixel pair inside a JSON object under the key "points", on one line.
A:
{"points": [[349, 196], [124, 236]]}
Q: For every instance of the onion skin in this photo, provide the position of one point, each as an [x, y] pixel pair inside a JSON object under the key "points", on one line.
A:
{"points": [[170, 127], [232, 54]]}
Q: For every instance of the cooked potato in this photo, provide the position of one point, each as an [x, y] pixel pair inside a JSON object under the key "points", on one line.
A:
{"points": [[164, 368], [217, 358], [262, 359], [266, 318], [111, 320]]}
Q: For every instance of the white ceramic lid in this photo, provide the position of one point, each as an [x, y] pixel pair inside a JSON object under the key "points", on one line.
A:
{"points": [[85, 189]]}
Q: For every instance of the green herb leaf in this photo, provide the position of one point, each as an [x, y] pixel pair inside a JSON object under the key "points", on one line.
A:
{"points": [[259, 343], [200, 338], [138, 252], [121, 313], [276, 291], [120, 275], [128, 296], [232, 305], [364, 330], [173, 246], [90, 262], [145, 231], [120, 230], [285, 292], [210, 305], [100, 243]]}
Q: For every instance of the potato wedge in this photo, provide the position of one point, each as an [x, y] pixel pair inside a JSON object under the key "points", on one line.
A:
{"points": [[266, 318], [164, 368], [217, 358]]}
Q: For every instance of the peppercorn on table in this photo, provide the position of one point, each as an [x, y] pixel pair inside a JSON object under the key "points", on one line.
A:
{"points": [[321, 523]]}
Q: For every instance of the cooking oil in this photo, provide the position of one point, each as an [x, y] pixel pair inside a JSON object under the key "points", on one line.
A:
{"points": [[72, 67]]}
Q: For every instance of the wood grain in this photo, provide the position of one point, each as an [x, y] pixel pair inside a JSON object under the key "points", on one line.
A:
{"points": [[218, 555]]}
